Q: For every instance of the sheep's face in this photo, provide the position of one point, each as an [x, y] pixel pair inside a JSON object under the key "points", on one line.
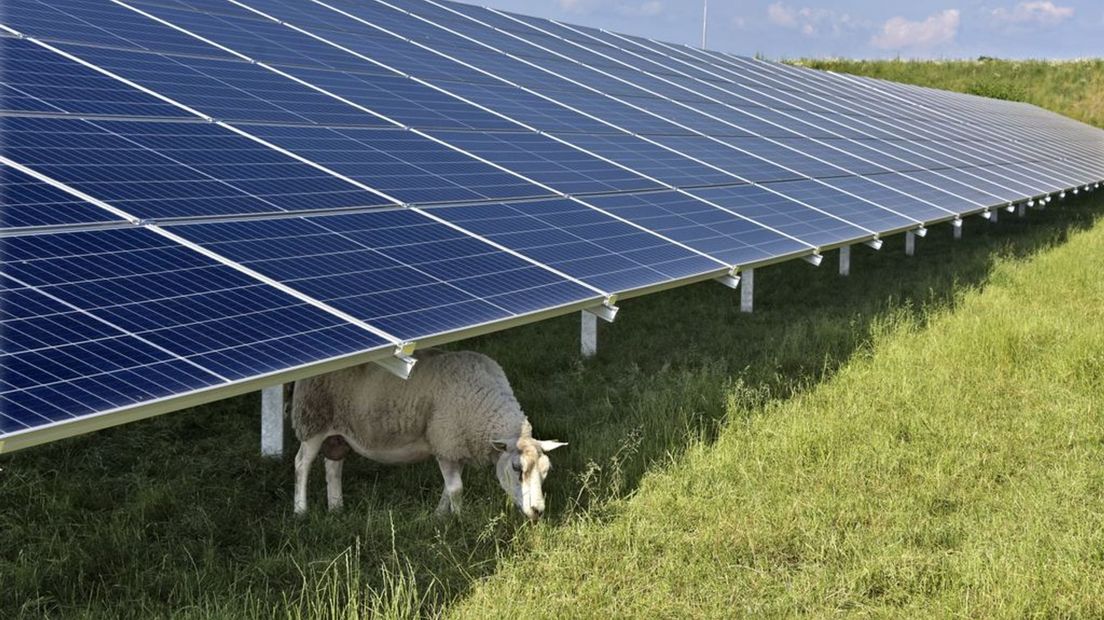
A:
{"points": [[521, 468]]}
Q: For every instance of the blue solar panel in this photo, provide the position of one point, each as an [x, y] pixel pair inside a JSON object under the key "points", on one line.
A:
{"points": [[166, 170], [99, 23], [770, 209], [99, 320], [406, 165], [225, 89], [35, 79], [704, 227], [397, 269], [403, 100], [26, 201], [663, 164], [525, 107], [743, 165], [772, 162], [547, 161], [845, 206], [582, 242]]}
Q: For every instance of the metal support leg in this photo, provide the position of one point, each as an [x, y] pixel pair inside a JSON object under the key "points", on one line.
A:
{"points": [[747, 290], [957, 226], [1022, 210], [272, 421], [994, 216], [588, 342], [910, 243], [845, 261]]}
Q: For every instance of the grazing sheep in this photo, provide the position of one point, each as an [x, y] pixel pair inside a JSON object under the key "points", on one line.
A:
{"points": [[456, 407]]}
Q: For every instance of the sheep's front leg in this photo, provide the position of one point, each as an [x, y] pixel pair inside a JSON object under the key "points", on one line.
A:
{"points": [[450, 496], [333, 484], [303, 459]]}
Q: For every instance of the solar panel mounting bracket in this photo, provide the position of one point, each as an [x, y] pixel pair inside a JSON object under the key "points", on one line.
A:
{"points": [[730, 279], [607, 311], [921, 232], [875, 244], [813, 259], [401, 362], [1010, 207]]}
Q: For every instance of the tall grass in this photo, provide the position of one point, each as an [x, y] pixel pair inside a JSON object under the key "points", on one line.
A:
{"points": [[953, 467], [1073, 88], [862, 443]]}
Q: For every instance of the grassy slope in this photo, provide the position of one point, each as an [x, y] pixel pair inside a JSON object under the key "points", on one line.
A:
{"points": [[1070, 88], [179, 515], [956, 468]]}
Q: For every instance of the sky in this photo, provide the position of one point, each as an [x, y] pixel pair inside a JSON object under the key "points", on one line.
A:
{"points": [[849, 28]]}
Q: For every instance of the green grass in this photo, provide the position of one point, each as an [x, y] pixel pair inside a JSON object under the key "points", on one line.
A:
{"points": [[920, 438], [1072, 88]]}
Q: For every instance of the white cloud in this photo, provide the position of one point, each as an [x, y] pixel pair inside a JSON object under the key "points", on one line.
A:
{"points": [[900, 33], [1036, 12], [809, 21]]}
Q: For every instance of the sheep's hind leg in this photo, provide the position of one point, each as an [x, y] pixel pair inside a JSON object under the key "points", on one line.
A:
{"points": [[335, 449], [450, 496], [307, 451], [333, 484]]}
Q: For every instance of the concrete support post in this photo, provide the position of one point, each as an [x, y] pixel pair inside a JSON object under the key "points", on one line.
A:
{"points": [[747, 290], [958, 230], [588, 341], [1022, 210], [272, 421], [994, 216], [845, 261], [910, 243]]}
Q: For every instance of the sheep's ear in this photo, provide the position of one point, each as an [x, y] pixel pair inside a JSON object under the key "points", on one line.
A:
{"points": [[500, 445], [548, 446]]}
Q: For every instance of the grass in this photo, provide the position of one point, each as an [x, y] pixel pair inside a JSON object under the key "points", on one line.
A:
{"points": [[1072, 88], [920, 438]]}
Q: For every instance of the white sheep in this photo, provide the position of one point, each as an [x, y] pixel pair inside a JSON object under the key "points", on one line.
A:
{"points": [[457, 407]]}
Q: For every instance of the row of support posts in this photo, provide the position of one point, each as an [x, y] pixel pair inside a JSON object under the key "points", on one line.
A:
{"points": [[272, 398]]}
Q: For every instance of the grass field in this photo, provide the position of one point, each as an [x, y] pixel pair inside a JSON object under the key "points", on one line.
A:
{"points": [[921, 438]]}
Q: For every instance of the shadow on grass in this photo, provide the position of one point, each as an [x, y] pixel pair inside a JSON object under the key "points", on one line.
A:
{"points": [[180, 515]]}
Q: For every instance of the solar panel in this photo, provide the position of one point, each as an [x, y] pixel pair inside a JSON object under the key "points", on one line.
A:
{"points": [[35, 79], [397, 270], [27, 202], [387, 174], [94, 321], [171, 170]]}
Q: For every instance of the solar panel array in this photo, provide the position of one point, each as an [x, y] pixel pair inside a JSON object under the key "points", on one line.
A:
{"points": [[202, 197]]}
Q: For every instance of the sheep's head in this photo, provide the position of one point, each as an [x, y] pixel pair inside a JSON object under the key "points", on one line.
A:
{"points": [[521, 468]]}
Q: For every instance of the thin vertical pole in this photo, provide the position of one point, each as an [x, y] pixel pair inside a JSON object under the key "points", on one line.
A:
{"points": [[588, 341], [845, 261], [272, 421], [910, 243], [747, 290], [705, 23]]}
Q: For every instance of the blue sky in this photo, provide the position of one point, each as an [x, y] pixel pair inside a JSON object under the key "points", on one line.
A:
{"points": [[850, 28]]}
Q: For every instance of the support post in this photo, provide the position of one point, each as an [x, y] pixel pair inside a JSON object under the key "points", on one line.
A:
{"points": [[910, 243], [588, 341], [994, 216], [272, 421], [1022, 210], [845, 261], [957, 226], [747, 290]]}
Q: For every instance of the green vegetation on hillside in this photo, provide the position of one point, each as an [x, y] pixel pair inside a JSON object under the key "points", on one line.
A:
{"points": [[1074, 88], [921, 438]]}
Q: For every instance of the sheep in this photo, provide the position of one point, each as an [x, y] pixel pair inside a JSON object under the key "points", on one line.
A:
{"points": [[456, 406]]}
